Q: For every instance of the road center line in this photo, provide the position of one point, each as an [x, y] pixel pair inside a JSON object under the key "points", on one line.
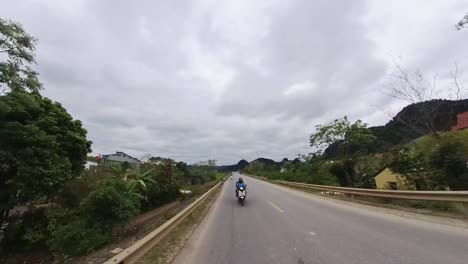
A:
{"points": [[276, 207]]}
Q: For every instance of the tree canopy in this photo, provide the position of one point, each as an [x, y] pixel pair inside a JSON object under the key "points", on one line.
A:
{"points": [[348, 135], [41, 147], [16, 73]]}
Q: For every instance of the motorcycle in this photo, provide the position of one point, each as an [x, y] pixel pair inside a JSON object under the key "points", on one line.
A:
{"points": [[242, 194]]}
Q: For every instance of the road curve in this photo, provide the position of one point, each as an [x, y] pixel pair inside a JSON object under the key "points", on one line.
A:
{"points": [[279, 225]]}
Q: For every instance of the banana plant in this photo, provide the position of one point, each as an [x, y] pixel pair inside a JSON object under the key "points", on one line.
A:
{"points": [[138, 180]]}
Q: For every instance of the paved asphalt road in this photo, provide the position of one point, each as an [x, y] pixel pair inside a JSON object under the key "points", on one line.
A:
{"points": [[279, 225]]}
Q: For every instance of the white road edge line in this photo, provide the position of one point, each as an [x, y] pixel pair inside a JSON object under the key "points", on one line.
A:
{"points": [[276, 207]]}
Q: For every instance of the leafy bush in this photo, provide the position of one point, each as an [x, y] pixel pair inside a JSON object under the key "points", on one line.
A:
{"points": [[165, 187], [75, 232], [77, 238], [26, 232], [111, 203], [450, 159], [434, 162]]}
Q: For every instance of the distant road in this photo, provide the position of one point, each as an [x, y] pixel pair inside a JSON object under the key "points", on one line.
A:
{"points": [[278, 225]]}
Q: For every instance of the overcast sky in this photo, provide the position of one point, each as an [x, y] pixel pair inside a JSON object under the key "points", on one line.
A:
{"points": [[225, 80]]}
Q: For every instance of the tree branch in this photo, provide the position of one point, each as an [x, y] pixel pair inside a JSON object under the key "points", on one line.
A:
{"points": [[455, 76]]}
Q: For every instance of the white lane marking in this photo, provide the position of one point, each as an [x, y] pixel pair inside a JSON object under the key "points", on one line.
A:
{"points": [[276, 207], [312, 233]]}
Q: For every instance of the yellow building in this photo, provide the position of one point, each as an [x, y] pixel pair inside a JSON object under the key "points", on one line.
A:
{"points": [[387, 179]]}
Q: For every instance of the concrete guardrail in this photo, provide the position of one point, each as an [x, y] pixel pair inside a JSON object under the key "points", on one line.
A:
{"points": [[137, 250]]}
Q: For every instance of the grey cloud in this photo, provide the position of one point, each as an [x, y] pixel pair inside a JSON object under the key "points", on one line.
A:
{"points": [[307, 44]]}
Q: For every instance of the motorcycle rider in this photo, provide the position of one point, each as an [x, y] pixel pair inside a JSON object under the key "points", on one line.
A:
{"points": [[239, 183]]}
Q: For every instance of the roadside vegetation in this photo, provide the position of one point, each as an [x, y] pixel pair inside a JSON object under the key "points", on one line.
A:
{"points": [[51, 208]]}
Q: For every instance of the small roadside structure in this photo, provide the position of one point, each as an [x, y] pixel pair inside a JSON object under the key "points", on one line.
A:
{"points": [[119, 157], [387, 179], [462, 122], [90, 164]]}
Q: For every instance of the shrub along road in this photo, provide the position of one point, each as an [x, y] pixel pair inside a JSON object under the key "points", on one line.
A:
{"points": [[279, 225]]}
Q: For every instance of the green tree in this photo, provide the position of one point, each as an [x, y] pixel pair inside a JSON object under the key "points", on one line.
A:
{"points": [[450, 159], [344, 171], [366, 168], [434, 162], [41, 147], [353, 139], [414, 165], [349, 136], [182, 167], [16, 73]]}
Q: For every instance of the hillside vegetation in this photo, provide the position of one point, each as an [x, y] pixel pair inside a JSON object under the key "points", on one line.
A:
{"points": [[413, 143]]}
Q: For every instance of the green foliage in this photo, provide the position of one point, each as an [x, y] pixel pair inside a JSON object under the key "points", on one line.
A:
{"points": [[168, 180], [450, 159], [205, 170], [27, 232], [349, 137], [77, 238], [358, 134], [366, 169], [434, 162], [220, 175], [111, 203], [81, 230], [90, 207], [344, 172], [138, 179], [315, 170], [329, 133], [16, 73], [350, 140], [42, 147], [414, 166]]}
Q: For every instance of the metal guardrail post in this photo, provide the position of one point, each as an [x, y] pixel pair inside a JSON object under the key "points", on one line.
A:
{"points": [[465, 210]]}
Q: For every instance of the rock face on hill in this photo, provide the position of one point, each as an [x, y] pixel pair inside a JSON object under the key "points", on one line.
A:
{"points": [[236, 167], [243, 163]]}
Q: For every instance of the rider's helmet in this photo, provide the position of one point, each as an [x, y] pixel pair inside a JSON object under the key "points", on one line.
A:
{"points": [[240, 179]]}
